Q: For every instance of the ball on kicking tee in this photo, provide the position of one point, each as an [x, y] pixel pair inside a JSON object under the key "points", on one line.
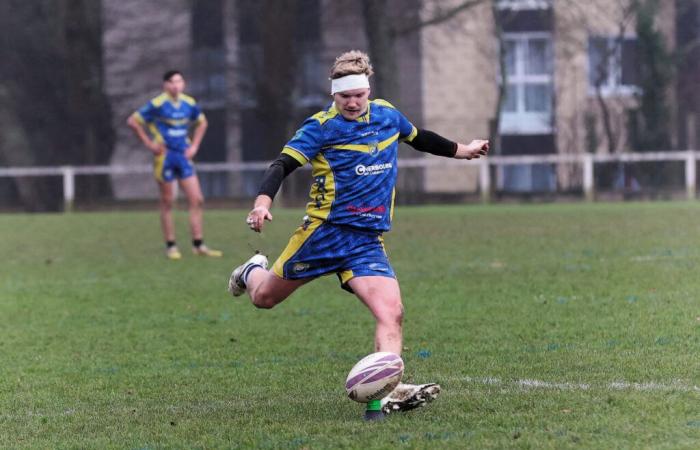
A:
{"points": [[374, 377]]}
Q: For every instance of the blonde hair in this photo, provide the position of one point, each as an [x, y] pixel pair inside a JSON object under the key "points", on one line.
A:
{"points": [[353, 62]]}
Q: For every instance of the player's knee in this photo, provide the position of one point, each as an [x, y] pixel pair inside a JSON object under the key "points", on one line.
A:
{"points": [[166, 202], [392, 313], [197, 202], [265, 299]]}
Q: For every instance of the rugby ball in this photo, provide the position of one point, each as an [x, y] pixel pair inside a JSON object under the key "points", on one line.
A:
{"points": [[374, 377]]}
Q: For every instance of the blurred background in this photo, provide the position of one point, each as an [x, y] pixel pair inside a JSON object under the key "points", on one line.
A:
{"points": [[595, 99]]}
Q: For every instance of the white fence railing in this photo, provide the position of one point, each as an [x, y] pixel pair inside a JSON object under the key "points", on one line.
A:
{"points": [[587, 162]]}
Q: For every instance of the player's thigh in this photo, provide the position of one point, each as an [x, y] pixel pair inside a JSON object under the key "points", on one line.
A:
{"points": [[167, 191], [192, 189], [276, 289], [382, 295]]}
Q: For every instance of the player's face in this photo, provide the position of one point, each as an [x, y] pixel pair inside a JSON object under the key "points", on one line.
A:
{"points": [[175, 85], [353, 103]]}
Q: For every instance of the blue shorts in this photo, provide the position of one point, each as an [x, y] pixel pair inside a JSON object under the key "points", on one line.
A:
{"points": [[171, 165], [321, 248]]}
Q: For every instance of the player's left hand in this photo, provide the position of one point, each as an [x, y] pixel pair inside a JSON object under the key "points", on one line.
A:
{"points": [[474, 150], [191, 151]]}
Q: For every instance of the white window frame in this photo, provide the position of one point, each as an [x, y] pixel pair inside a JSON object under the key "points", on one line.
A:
{"points": [[613, 85], [519, 5], [520, 121]]}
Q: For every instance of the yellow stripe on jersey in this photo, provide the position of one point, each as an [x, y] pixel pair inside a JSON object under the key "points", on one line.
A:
{"points": [[379, 101], [158, 162], [366, 148], [187, 99], [139, 118], [410, 137], [323, 190], [300, 236], [324, 116], [176, 122], [391, 209], [159, 100], [296, 154], [155, 133]]}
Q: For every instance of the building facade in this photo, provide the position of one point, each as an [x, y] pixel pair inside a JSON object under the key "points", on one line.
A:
{"points": [[544, 76]]}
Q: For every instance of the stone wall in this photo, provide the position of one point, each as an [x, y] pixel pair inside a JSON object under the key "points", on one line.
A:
{"points": [[141, 41]]}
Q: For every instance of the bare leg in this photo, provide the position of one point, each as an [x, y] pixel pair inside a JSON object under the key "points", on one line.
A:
{"points": [[166, 210], [267, 290], [195, 200], [383, 298]]}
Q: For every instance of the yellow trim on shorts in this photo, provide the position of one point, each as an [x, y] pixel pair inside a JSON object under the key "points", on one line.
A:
{"points": [[345, 276], [366, 148], [158, 162], [300, 236]]}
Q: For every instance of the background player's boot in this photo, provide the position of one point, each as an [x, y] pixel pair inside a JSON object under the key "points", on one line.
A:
{"points": [[173, 253], [203, 250], [409, 396], [236, 284]]}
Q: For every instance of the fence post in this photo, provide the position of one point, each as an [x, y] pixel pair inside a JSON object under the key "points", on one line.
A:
{"points": [[485, 180], [690, 178], [588, 185], [68, 188]]}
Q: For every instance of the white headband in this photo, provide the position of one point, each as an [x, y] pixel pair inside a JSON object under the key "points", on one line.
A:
{"points": [[349, 82]]}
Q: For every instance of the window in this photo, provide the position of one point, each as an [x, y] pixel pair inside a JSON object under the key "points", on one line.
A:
{"points": [[517, 5], [527, 106], [612, 65]]}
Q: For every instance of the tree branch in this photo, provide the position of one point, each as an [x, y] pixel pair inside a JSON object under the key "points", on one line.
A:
{"points": [[439, 18]]}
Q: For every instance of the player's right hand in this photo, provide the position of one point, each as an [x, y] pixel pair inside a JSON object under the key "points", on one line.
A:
{"points": [[158, 148], [257, 217]]}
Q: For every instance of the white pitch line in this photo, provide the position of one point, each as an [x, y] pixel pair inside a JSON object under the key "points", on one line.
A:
{"points": [[675, 385]]}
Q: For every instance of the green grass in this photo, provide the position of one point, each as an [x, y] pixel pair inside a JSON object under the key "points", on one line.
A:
{"points": [[106, 344]]}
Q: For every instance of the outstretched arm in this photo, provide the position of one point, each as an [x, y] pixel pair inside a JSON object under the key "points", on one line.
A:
{"points": [[272, 180], [430, 142]]}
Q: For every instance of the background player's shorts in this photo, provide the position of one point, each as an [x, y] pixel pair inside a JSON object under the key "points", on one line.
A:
{"points": [[171, 165], [320, 248]]}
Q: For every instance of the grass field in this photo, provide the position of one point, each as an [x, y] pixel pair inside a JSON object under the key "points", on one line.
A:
{"points": [[551, 326]]}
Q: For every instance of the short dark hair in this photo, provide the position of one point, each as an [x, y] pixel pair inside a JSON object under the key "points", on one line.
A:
{"points": [[171, 73]]}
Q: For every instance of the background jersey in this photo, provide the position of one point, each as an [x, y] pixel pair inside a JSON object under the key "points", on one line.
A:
{"points": [[168, 121], [354, 164]]}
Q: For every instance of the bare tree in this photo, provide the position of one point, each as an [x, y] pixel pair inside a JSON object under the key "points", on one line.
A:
{"points": [[385, 22], [53, 99]]}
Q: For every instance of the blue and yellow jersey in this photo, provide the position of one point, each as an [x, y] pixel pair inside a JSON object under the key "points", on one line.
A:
{"points": [[353, 164], [168, 120]]}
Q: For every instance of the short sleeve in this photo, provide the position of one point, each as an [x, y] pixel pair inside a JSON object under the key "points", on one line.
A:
{"points": [[307, 141], [196, 113], [147, 113], [406, 129]]}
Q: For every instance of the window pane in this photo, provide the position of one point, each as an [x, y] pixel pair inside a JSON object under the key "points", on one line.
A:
{"points": [[509, 49], [538, 97], [597, 61], [510, 102], [537, 58], [629, 62]]}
